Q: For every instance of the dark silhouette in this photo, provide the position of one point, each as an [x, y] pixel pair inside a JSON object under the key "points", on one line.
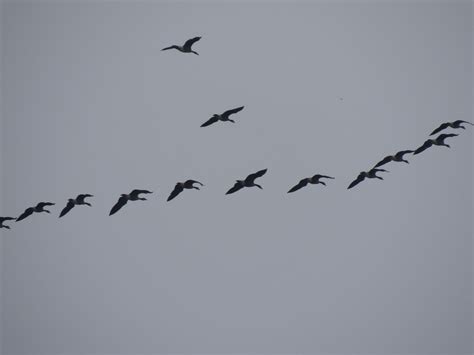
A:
{"points": [[371, 174], [224, 117], [79, 200], [180, 186], [397, 157], [248, 182], [186, 48], [38, 209], [3, 219], [437, 141], [315, 179], [454, 124], [124, 198]]}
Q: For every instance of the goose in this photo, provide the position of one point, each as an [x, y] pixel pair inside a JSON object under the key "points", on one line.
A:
{"points": [[454, 124], [124, 198], [186, 48], [436, 141], [396, 157], [3, 219], [180, 186], [224, 117], [315, 179], [38, 208], [248, 182], [79, 200], [371, 174]]}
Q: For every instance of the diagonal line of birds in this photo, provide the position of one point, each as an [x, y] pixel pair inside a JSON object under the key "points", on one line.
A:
{"points": [[250, 180]]}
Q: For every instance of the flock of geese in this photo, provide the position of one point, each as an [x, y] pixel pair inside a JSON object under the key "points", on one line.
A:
{"points": [[249, 181]]}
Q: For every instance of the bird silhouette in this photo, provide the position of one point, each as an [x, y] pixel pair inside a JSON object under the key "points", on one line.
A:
{"points": [[248, 182], [371, 174], [396, 157], [186, 48], [454, 124], [79, 200], [224, 117], [180, 186], [315, 179], [38, 209], [4, 219], [124, 198], [436, 141]]}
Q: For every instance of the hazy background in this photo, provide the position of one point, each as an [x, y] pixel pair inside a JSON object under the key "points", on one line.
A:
{"points": [[91, 105]]}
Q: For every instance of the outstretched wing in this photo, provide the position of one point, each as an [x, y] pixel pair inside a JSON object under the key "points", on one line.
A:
{"points": [[359, 179], [210, 121], [319, 176], [442, 137], [66, 209], [191, 182], [227, 113], [190, 42], [176, 191], [136, 192], [80, 198], [458, 122], [3, 219], [298, 186], [41, 205], [425, 146], [120, 203], [28, 212], [384, 161], [237, 186], [252, 177], [441, 127], [401, 153]]}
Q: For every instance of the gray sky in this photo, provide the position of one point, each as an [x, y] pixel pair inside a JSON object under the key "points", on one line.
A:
{"points": [[91, 104]]}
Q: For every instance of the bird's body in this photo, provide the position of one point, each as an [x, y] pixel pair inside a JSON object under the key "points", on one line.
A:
{"points": [[38, 209], [315, 179], [436, 141], [248, 182], [186, 48], [124, 198], [79, 200], [224, 117], [3, 219], [398, 157], [371, 174], [454, 124], [180, 186]]}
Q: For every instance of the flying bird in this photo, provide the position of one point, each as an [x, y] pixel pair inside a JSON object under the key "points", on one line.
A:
{"points": [[180, 186], [3, 219], [371, 174], [248, 182], [315, 179], [79, 200], [124, 198], [436, 141], [454, 124], [396, 157], [186, 48], [38, 208], [224, 117]]}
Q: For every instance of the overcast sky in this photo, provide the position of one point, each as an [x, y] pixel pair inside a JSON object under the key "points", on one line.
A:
{"points": [[92, 105]]}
